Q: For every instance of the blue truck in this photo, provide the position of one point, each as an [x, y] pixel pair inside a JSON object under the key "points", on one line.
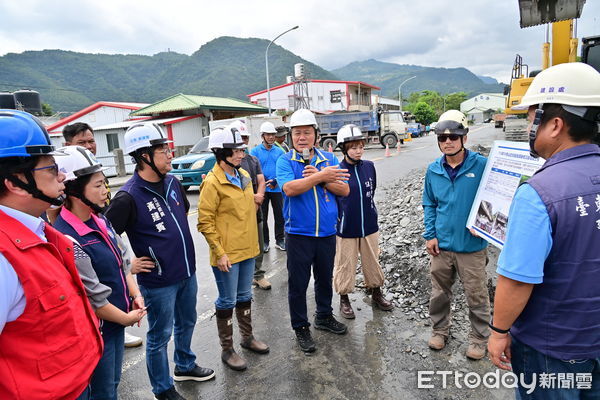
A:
{"points": [[382, 127]]}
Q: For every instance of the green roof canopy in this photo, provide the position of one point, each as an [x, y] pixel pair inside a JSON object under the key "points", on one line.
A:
{"points": [[183, 102]]}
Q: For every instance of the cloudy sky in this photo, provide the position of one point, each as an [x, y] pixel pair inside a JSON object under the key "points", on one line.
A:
{"points": [[482, 35]]}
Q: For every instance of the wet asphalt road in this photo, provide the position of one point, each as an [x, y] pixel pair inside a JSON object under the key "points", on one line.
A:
{"points": [[377, 359]]}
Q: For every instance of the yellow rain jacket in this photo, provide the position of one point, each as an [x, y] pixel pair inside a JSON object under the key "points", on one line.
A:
{"points": [[227, 217]]}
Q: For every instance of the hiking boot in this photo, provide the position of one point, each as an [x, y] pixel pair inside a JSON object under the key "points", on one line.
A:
{"points": [[262, 283], [330, 324], [198, 374], [380, 301], [280, 245], [476, 350], [345, 307], [132, 341], [437, 341], [305, 340], [169, 394]]}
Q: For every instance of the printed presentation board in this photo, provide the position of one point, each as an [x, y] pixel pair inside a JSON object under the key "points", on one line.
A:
{"points": [[509, 164]]}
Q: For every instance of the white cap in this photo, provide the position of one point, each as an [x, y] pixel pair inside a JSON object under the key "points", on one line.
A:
{"points": [[225, 138], [303, 117], [241, 127], [572, 84], [143, 135], [349, 133], [267, 127], [78, 162]]}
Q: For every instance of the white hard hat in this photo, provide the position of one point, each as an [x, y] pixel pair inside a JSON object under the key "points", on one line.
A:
{"points": [[349, 133], [303, 117], [226, 137], [267, 127], [452, 122], [78, 162], [143, 135], [215, 140], [572, 84], [241, 127]]}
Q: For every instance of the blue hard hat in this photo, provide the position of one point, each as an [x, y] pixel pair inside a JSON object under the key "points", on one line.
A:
{"points": [[23, 135]]}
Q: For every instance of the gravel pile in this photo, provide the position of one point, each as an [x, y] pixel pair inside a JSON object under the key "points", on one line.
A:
{"points": [[404, 258]]}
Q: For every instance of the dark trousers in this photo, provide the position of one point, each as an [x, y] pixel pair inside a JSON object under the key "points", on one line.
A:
{"points": [[259, 272], [575, 379], [304, 253], [276, 199]]}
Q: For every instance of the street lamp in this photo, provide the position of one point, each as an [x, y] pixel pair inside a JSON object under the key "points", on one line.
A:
{"points": [[400, 90], [267, 66]]}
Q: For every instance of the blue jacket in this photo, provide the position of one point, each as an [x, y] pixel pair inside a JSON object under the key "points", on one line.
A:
{"points": [[100, 244], [447, 204], [561, 318], [268, 162], [161, 232], [314, 212], [357, 211]]}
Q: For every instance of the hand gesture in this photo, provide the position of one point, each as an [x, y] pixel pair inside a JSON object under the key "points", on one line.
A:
{"points": [[432, 247], [142, 264], [223, 263], [134, 316], [259, 198], [499, 350], [309, 170], [333, 174]]}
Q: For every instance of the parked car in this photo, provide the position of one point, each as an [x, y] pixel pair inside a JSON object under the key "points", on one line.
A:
{"points": [[189, 169]]}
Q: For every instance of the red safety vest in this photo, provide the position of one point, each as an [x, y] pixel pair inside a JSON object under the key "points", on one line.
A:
{"points": [[52, 349]]}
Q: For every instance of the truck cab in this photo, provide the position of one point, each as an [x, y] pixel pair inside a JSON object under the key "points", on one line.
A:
{"points": [[393, 121]]}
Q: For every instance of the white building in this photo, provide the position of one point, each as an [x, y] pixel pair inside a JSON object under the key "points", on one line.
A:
{"points": [[324, 96], [495, 101], [483, 106], [98, 114], [185, 133], [385, 103]]}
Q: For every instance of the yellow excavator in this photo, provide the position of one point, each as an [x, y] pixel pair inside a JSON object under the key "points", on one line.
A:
{"points": [[560, 47]]}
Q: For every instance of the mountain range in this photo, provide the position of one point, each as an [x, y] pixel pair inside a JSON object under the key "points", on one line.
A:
{"points": [[224, 67]]}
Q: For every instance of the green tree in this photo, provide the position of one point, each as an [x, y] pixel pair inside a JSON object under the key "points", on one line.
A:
{"points": [[453, 100], [430, 97], [47, 110], [424, 113]]}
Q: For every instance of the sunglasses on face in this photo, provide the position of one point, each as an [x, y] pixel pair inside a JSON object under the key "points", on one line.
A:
{"points": [[53, 168], [453, 137]]}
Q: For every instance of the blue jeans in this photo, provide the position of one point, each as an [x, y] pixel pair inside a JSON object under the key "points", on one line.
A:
{"points": [[303, 254], [85, 395], [168, 307], [107, 374], [526, 360], [234, 286]]}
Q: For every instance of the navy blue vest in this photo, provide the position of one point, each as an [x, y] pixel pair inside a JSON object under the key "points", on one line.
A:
{"points": [[103, 250], [562, 317], [161, 232], [357, 212]]}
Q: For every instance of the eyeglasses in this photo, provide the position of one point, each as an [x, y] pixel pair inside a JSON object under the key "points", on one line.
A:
{"points": [[166, 151], [453, 137], [52, 167]]}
